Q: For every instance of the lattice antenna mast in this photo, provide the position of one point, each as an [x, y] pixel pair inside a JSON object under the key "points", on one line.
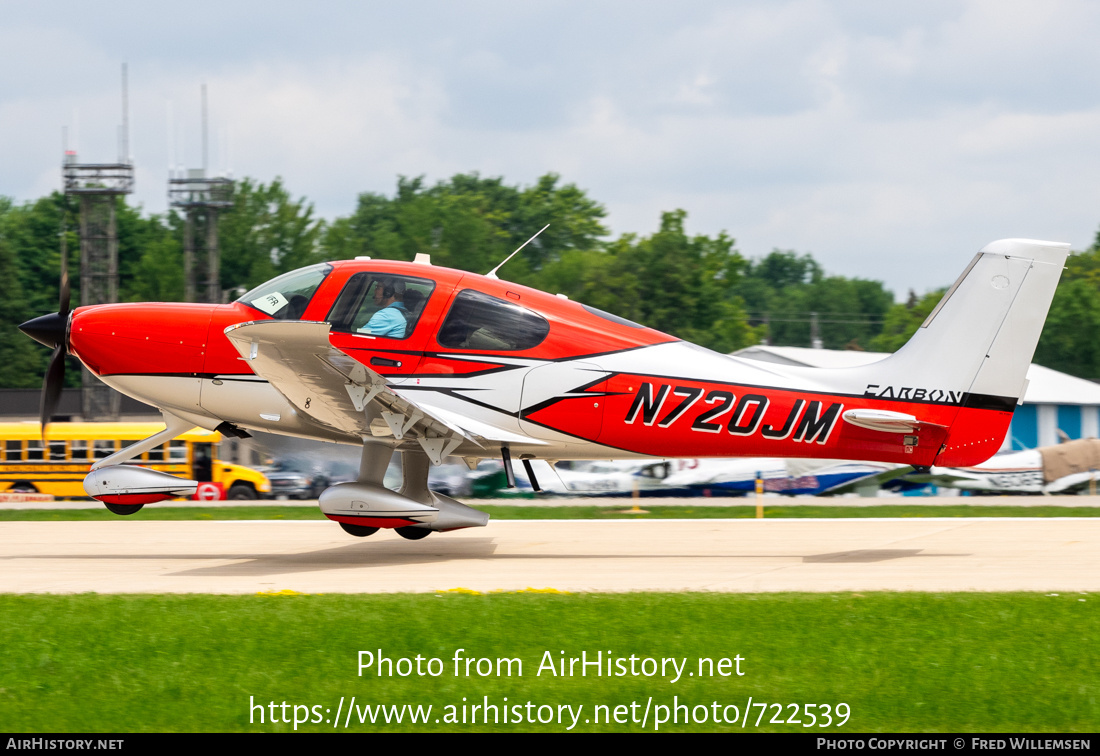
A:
{"points": [[202, 198], [98, 187], [124, 130], [205, 134]]}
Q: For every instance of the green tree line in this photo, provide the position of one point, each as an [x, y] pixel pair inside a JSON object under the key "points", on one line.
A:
{"points": [[696, 287]]}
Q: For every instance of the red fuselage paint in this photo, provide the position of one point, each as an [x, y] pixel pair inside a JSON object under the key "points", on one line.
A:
{"points": [[660, 414]]}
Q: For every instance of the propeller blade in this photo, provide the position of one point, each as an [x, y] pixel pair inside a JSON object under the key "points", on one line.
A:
{"points": [[51, 330], [51, 388], [63, 307]]}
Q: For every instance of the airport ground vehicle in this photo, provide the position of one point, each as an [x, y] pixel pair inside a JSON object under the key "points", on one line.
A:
{"points": [[305, 478], [59, 467], [483, 368]]}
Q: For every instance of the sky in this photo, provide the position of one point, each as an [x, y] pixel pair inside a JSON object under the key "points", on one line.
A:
{"points": [[890, 140]]}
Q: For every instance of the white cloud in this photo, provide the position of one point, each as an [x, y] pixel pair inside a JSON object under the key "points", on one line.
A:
{"points": [[891, 140]]}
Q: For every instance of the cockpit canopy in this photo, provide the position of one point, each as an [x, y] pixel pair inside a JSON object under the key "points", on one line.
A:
{"points": [[388, 305], [440, 309]]}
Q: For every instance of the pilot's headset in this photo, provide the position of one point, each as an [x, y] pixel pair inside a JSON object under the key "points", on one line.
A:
{"points": [[393, 288]]}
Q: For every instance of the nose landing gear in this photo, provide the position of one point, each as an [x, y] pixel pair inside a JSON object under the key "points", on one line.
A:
{"points": [[124, 509]]}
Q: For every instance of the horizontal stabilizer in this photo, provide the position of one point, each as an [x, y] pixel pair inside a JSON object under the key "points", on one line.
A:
{"points": [[886, 421]]}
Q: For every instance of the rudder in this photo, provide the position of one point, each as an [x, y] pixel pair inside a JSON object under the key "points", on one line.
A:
{"points": [[980, 338]]}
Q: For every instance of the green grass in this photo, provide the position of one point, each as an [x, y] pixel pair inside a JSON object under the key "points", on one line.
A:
{"points": [[903, 662], [619, 509], [602, 511]]}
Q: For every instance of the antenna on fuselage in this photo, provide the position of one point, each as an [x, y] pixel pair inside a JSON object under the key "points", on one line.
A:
{"points": [[493, 273]]}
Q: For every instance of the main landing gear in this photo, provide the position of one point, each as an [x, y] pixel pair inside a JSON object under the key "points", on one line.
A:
{"points": [[359, 531], [410, 503], [412, 532], [414, 512], [363, 507]]}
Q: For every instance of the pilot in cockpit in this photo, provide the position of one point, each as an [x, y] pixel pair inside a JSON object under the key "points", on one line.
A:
{"points": [[391, 318]]}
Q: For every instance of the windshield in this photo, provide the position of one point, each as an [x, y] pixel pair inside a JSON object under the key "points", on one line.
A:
{"points": [[286, 297]]}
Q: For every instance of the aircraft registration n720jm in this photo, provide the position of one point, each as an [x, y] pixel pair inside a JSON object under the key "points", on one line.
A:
{"points": [[433, 362]]}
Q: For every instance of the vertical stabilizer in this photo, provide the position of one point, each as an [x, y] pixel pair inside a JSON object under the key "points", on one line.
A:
{"points": [[982, 335]]}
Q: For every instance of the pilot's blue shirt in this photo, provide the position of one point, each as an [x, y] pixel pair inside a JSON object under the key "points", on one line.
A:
{"points": [[389, 322]]}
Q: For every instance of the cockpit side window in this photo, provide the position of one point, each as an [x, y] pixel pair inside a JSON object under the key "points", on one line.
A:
{"points": [[479, 321], [380, 305], [286, 297]]}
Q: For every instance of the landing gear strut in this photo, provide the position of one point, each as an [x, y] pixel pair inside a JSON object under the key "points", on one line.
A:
{"points": [[417, 510]]}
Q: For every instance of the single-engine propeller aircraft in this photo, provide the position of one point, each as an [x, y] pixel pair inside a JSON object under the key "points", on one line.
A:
{"points": [[433, 362]]}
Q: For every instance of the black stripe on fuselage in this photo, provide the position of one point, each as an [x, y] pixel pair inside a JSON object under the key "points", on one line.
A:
{"points": [[989, 402], [580, 392]]}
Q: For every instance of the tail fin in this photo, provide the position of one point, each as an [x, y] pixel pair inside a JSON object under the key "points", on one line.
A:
{"points": [[947, 396], [981, 337]]}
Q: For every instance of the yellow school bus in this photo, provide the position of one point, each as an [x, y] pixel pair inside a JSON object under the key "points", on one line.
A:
{"points": [[59, 466]]}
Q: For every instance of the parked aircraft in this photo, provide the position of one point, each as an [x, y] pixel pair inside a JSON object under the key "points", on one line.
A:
{"points": [[733, 476], [792, 477], [432, 362], [602, 477], [1065, 468]]}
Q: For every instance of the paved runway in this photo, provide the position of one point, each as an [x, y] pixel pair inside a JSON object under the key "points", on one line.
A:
{"points": [[621, 502], [949, 554]]}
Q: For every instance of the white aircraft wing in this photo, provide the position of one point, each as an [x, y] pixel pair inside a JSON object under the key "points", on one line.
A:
{"points": [[336, 390], [1074, 483], [703, 472], [872, 478], [744, 470]]}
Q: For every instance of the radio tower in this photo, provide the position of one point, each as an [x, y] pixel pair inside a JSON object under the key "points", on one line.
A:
{"points": [[201, 199], [98, 186]]}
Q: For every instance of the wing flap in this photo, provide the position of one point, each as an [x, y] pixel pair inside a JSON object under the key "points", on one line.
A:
{"points": [[478, 428], [285, 353]]}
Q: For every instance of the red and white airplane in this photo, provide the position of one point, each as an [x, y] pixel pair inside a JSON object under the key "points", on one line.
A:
{"points": [[433, 362]]}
